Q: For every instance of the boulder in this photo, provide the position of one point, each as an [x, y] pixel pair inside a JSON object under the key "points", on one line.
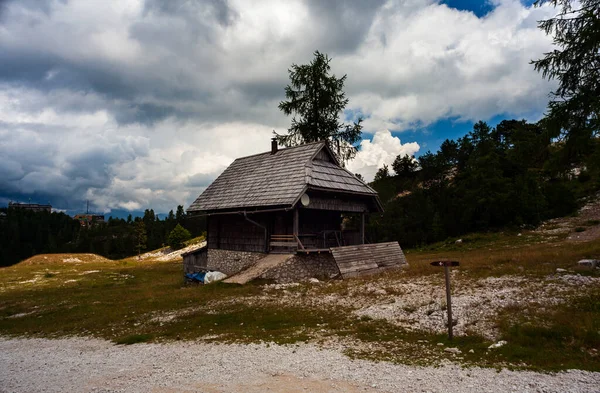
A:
{"points": [[498, 344], [591, 263], [452, 350]]}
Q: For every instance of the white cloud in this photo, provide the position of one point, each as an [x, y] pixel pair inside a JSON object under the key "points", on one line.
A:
{"points": [[437, 62], [382, 149], [141, 104]]}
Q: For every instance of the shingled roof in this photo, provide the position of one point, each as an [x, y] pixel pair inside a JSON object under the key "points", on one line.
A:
{"points": [[279, 179]]}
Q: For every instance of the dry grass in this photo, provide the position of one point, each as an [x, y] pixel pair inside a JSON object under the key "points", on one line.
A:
{"points": [[129, 301], [57, 259], [493, 260]]}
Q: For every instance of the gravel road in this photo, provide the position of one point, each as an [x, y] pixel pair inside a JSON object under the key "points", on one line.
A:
{"points": [[89, 365]]}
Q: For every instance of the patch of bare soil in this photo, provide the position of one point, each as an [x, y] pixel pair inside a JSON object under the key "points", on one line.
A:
{"points": [[583, 227]]}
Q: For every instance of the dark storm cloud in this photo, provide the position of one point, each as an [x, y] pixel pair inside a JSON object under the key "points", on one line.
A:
{"points": [[24, 68], [200, 180], [147, 93], [144, 92], [344, 23], [59, 164], [44, 6], [218, 9], [125, 103]]}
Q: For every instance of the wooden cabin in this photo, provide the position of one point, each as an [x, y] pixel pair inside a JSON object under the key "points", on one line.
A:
{"points": [[297, 199]]}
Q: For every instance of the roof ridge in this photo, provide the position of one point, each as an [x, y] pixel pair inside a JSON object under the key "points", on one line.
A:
{"points": [[282, 149]]}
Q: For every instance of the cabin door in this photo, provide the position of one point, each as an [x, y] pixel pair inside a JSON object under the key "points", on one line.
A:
{"points": [[279, 227]]}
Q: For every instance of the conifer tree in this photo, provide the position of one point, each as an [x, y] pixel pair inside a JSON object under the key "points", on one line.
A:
{"points": [[316, 100]]}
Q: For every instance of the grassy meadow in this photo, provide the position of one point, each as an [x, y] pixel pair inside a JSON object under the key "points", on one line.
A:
{"points": [[130, 301]]}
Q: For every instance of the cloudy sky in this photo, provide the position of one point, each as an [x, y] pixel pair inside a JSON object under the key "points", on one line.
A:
{"points": [[135, 104]]}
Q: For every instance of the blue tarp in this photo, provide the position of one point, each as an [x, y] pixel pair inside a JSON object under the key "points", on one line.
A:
{"points": [[196, 276]]}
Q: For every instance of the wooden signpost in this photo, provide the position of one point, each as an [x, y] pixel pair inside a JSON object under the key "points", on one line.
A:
{"points": [[447, 265]]}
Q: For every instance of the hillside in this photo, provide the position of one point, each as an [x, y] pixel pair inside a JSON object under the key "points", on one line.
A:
{"points": [[509, 287]]}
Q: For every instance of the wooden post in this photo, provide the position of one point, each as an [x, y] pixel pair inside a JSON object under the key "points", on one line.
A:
{"points": [[448, 301], [207, 229], [362, 228], [218, 231], [446, 265], [296, 221]]}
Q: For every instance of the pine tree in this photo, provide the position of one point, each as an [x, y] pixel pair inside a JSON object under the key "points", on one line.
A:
{"points": [[316, 100], [180, 215], [575, 106], [140, 237], [405, 165], [382, 173]]}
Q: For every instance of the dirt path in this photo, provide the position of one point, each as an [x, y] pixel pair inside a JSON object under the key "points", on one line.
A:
{"points": [[87, 365], [583, 227]]}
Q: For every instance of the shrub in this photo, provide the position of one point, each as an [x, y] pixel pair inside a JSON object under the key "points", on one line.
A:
{"points": [[178, 236]]}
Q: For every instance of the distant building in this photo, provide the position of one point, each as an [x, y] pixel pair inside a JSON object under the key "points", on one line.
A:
{"points": [[35, 207], [87, 220]]}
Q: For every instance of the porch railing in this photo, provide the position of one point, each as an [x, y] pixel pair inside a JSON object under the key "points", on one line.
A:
{"points": [[313, 241]]}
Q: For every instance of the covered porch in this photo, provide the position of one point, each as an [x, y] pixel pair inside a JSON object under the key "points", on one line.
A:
{"points": [[305, 230]]}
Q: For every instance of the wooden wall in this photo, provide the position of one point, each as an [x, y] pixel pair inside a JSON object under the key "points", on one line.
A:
{"points": [[337, 202], [234, 232], [339, 205], [323, 155], [195, 262], [313, 221], [324, 213]]}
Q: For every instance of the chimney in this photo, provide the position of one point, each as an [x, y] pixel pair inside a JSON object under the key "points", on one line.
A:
{"points": [[273, 145]]}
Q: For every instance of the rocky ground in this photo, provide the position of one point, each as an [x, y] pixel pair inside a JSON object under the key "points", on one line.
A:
{"points": [[411, 300], [87, 365], [582, 227], [420, 303]]}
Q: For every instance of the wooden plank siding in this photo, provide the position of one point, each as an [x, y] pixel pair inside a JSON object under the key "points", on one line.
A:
{"points": [[233, 232], [322, 155], [367, 258], [337, 204], [195, 261]]}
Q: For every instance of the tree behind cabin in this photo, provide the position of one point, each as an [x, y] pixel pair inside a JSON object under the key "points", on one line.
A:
{"points": [[316, 100], [140, 236], [178, 236]]}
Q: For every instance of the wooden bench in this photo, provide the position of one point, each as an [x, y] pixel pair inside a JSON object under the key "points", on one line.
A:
{"points": [[286, 241]]}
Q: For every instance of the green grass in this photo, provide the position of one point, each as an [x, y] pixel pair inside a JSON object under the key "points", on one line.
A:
{"points": [[132, 302], [556, 338], [125, 301], [478, 241], [134, 339], [494, 260], [194, 240]]}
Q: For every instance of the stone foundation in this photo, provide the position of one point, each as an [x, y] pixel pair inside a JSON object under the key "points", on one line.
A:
{"points": [[302, 267], [231, 262]]}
